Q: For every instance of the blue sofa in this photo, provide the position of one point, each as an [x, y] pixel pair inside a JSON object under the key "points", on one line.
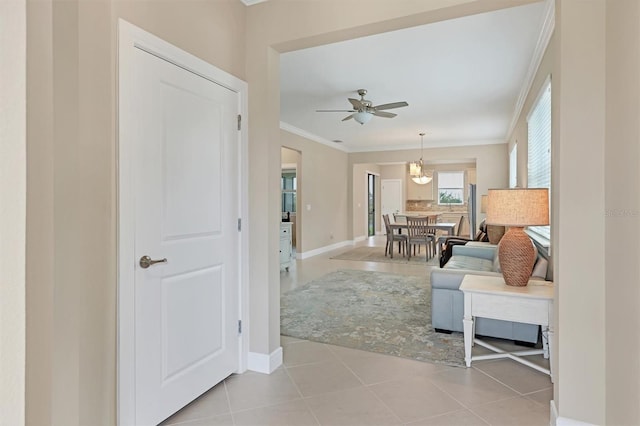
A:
{"points": [[447, 301]]}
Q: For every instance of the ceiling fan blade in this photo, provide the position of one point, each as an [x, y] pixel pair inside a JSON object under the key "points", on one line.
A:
{"points": [[383, 114], [391, 105], [335, 110], [348, 117], [356, 104]]}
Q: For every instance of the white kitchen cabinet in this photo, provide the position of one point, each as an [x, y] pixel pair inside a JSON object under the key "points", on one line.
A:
{"points": [[419, 192], [285, 245]]}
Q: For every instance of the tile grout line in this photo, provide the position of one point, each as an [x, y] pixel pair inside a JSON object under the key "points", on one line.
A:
{"points": [[493, 378], [470, 408], [304, 400], [226, 392]]}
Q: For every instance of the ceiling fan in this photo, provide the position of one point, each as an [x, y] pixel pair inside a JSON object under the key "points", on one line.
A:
{"points": [[363, 109]]}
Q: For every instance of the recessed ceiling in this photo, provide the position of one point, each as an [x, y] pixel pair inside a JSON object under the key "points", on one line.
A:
{"points": [[461, 78]]}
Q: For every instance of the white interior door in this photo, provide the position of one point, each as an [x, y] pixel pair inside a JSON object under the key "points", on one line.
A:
{"points": [[186, 211], [391, 196]]}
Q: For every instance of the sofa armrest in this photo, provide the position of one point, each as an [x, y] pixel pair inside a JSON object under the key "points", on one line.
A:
{"points": [[481, 252], [446, 278]]}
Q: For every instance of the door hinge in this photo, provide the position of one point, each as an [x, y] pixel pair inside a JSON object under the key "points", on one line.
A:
{"points": [[239, 224], [239, 122], [239, 326]]}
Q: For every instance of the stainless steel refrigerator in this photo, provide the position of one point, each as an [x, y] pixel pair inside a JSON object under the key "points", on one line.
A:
{"points": [[471, 209]]}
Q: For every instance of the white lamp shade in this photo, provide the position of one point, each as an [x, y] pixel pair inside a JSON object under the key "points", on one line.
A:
{"points": [[518, 207], [362, 117], [421, 180]]}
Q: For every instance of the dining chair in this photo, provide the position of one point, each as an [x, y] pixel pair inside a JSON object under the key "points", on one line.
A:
{"points": [[400, 218], [432, 220], [418, 235], [391, 237], [442, 240]]}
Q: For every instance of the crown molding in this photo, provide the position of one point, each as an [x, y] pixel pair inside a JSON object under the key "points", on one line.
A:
{"points": [[298, 131], [252, 2], [546, 31], [432, 144]]}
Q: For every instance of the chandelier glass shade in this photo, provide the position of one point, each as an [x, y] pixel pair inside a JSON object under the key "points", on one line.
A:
{"points": [[416, 168]]}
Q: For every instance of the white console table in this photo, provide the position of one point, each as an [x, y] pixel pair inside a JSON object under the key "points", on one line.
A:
{"points": [[490, 297]]}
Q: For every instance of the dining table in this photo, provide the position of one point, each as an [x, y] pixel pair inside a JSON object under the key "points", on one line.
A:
{"points": [[448, 227]]}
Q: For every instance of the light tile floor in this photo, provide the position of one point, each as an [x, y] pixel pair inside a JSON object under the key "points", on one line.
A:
{"points": [[321, 384]]}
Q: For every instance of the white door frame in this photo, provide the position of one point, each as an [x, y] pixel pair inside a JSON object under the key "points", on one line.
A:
{"points": [[131, 38], [366, 202]]}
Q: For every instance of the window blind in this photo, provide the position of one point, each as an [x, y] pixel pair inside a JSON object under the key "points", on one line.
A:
{"points": [[513, 166], [450, 187], [539, 149]]}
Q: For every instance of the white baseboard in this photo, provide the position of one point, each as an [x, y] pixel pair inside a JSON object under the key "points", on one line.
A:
{"points": [[264, 363], [360, 238], [563, 421], [315, 252]]}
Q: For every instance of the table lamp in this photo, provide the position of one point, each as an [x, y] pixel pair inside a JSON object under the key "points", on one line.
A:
{"points": [[517, 208], [494, 232]]}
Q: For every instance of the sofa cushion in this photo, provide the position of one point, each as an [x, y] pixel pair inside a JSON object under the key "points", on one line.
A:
{"points": [[468, 262]]}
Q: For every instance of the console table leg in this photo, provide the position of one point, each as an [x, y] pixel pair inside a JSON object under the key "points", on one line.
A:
{"points": [[469, 329], [468, 339], [545, 342]]}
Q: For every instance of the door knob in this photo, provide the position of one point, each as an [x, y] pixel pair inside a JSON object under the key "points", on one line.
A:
{"points": [[146, 261]]}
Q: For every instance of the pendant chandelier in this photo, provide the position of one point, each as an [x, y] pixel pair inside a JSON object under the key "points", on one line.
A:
{"points": [[416, 168]]}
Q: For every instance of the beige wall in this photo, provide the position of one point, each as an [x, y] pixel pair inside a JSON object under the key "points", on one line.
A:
{"points": [[321, 185], [580, 117], [622, 213], [71, 222], [289, 156], [13, 66]]}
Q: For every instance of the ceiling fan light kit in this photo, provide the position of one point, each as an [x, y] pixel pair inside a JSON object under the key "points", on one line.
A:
{"points": [[363, 109], [416, 168], [362, 117]]}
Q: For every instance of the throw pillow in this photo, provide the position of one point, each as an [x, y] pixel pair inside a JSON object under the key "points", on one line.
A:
{"points": [[540, 268], [496, 263]]}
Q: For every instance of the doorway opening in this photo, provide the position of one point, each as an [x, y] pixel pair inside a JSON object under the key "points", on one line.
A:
{"points": [[290, 190]]}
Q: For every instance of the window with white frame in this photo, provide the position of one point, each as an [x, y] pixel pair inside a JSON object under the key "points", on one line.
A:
{"points": [[539, 150], [450, 187], [288, 186], [513, 166]]}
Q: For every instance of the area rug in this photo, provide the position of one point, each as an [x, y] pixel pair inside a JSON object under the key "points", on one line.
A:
{"points": [[371, 311], [376, 254]]}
